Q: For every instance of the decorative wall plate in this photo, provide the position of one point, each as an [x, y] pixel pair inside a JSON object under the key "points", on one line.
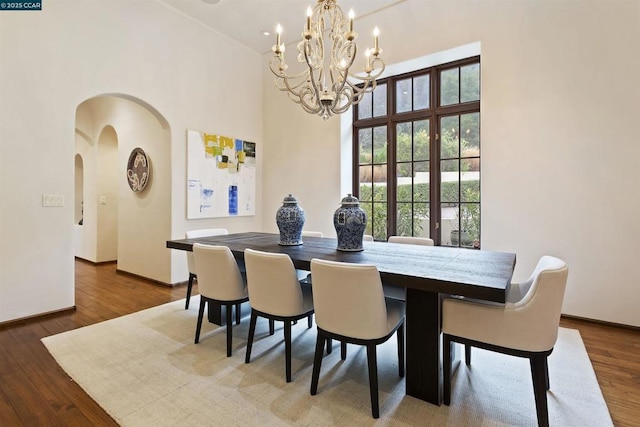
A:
{"points": [[138, 171]]}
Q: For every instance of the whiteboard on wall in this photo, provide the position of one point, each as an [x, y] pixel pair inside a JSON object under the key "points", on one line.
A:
{"points": [[221, 176]]}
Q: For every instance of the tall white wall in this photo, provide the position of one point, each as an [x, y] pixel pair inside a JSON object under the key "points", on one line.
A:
{"points": [[559, 104], [53, 60]]}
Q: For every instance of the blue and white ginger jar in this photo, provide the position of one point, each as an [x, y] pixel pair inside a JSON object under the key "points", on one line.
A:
{"points": [[350, 220], [290, 220]]}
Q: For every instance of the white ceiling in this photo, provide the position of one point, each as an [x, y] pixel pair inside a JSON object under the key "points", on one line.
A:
{"points": [[245, 20]]}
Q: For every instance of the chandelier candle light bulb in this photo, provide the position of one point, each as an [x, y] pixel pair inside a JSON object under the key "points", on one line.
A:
{"points": [[309, 86], [376, 33], [276, 48]]}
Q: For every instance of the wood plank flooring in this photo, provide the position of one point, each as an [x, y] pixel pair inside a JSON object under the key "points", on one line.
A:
{"points": [[34, 391]]}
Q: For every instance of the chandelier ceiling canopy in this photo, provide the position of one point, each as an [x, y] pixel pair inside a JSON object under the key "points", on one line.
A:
{"points": [[326, 86]]}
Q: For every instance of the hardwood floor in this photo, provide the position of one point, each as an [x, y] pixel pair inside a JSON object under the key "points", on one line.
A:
{"points": [[34, 391]]}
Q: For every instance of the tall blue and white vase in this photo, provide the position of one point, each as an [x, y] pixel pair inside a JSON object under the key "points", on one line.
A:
{"points": [[290, 220], [350, 221]]}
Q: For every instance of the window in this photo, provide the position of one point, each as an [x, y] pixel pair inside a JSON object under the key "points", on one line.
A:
{"points": [[417, 155]]}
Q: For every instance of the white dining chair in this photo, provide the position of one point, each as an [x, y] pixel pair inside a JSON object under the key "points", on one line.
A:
{"points": [[191, 265], [351, 308], [411, 240], [367, 238], [275, 294], [219, 281], [525, 326]]}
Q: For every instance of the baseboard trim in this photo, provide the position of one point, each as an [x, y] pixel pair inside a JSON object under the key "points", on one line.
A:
{"points": [[36, 317], [94, 262], [152, 281], [601, 322]]}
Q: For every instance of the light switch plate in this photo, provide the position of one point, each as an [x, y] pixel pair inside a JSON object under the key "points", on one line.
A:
{"points": [[52, 200]]}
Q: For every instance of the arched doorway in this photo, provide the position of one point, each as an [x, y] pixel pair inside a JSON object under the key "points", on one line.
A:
{"points": [[118, 224]]}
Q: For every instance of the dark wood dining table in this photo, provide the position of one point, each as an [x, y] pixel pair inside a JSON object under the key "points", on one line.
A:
{"points": [[428, 273]]}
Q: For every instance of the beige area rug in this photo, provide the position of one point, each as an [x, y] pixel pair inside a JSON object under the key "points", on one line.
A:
{"points": [[144, 370]]}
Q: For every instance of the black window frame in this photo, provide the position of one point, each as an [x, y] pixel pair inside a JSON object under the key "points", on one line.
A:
{"points": [[433, 113]]}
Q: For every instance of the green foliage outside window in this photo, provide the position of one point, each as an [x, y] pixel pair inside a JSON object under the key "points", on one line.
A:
{"points": [[411, 216]]}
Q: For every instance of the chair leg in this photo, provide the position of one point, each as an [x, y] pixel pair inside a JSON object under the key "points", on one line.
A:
{"points": [[373, 379], [317, 362], [446, 368], [546, 372], [203, 302], [343, 350], [252, 330], [400, 334], [189, 287], [272, 327], [238, 313], [329, 345], [467, 354], [228, 308], [538, 374], [310, 321], [287, 349]]}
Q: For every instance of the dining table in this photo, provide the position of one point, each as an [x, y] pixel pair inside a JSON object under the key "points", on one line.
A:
{"points": [[427, 273]]}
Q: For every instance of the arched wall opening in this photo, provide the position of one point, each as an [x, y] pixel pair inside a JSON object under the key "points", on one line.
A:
{"points": [[118, 223]]}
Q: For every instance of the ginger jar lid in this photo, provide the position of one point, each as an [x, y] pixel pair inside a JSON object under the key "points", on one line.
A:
{"points": [[350, 200], [290, 200]]}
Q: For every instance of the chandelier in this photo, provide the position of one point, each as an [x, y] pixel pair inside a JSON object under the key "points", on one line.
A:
{"points": [[326, 86]]}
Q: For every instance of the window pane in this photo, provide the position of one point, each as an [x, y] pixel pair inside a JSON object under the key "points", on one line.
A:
{"points": [[403, 95], [449, 87], [449, 137], [367, 208], [470, 132], [365, 141], [366, 188], [470, 87], [449, 225], [470, 190], [404, 220], [380, 144], [421, 220], [421, 92], [380, 101], [421, 140], [403, 182], [379, 192], [379, 221], [470, 225], [449, 186], [403, 142], [421, 182], [364, 107], [470, 168]]}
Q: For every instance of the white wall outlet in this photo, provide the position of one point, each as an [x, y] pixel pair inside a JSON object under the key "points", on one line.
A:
{"points": [[103, 200]]}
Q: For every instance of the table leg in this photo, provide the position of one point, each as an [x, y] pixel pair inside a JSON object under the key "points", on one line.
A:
{"points": [[216, 313], [423, 370]]}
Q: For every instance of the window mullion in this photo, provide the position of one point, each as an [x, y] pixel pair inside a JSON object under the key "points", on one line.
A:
{"points": [[391, 158]]}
